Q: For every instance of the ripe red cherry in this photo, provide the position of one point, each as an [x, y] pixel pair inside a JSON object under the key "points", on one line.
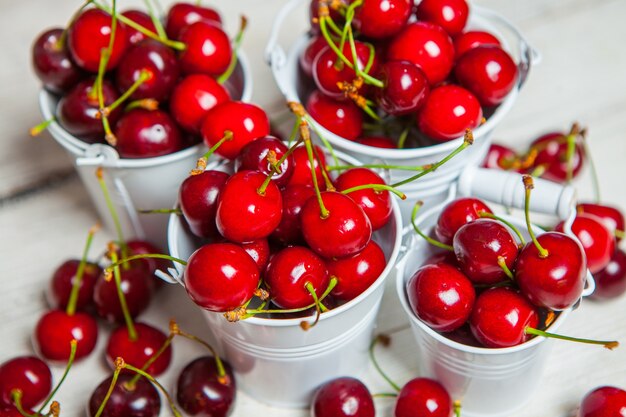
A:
{"points": [[423, 397], [140, 399], [375, 204], [611, 281], [207, 49], [471, 39], [313, 48], [449, 14], [259, 251], [552, 156], [198, 196], [56, 329], [441, 296], [141, 18], [479, 245], [612, 217], [378, 142], [243, 213], [378, 19], [137, 352], [302, 168], [145, 133], [89, 34], [344, 232], [253, 156], [499, 157], [343, 397], [28, 374], [221, 277], [288, 231], [201, 392], [448, 112], [556, 281], [11, 411], [193, 97], [137, 287], [457, 213], [356, 273], [501, 316], [604, 402], [52, 63], [428, 46], [63, 279], [246, 121], [182, 15], [343, 118], [405, 88]]}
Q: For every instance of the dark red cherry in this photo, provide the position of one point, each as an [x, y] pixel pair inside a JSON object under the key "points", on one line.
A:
{"points": [[500, 157], [343, 397], [56, 329], [63, 279], [448, 112], [289, 231], [137, 286], [11, 411], [145, 133], [375, 204], [221, 277], [28, 374], [378, 142], [552, 156], [378, 19], [52, 63], [182, 15], [612, 217], [428, 46], [197, 197], [140, 399], [423, 397], [302, 167], [89, 34], [142, 19], [254, 157], [479, 245], [449, 14], [356, 273], [556, 281], [207, 49], [471, 39], [314, 47], [603, 401], [611, 281], [345, 231], [457, 213], [501, 316], [441, 296], [246, 121], [343, 118], [201, 392], [259, 251], [405, 88], [137, 352]]}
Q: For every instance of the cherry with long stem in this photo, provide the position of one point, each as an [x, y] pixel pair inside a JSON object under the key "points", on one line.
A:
{"points": [[70, 361], [528, 186]]}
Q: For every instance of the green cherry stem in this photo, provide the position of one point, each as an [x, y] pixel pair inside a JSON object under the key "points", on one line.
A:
{"points": [[457, 408], [78, 279], [304, 131], [484, 214], [159, 386], [305, 325], [16, 396], [70, 361], [594, 172], [153, 358], [221, 371], [428, 239], [176, 211], [379, 166], [155, 20], [119, 365], [528, 186], [325, 141], [505, 268], [236, 45], [113, 211], [327, 182], [385, 395], [228, 135], [132, 332], [403, 136], [385, 340], [123, 261], [608, 344], [359, 72], [60, 44], [376, 187], [144, 103], [143, 77], [36, 130]]}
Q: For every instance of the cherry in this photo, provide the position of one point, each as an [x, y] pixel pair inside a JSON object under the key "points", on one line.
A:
{"points": [[603, 401], [145, 133], [500, 157], [137, 288], [314, 47], [129, 398], [428, 46], [10, 411], [380, 19], [612, 217], [457, 213], [28, 374], [356, 273], [423, 397], [234, 277], [378, 142], [137, 352], [343, 118], [142, 19], [471, 39], [52, 62], [64, 277], [150, 265], [246, 121], [375, 204], [289, 231], [448, 112], [89, 34], [208, 50], [552, 156], [449, 14], [56, 329], [441, 296], [611, 281], [302, 167], [193, 97], [254, 156], [343, 397], [405, 88], [259, 251], [200, 390], [182, 15], [198, 197]]}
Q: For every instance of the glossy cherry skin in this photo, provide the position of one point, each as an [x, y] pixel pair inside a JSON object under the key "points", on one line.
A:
{"points": [[145, 133], [344, 232], [259, 251], [343, 397], [246, 121], [141, 18], [243, 214], [596, 239], [193, 97], [63, 279], [200, 392], [137, 287], [221, 277], [89, 34], [612, 217], [138, 352], [378, 142], [479, 244], [554, 282], [499, 157], [207, 49], [423, 397], [314, 47], [253, 156], [457, 213], [302, 167], [182, 15], [356, 273], [142, 400], [28, 374], [449, 14], [289, 231], [375, 204], [471, 39], [428, 46], [405, 88], [501, 316], [441, 296], [611, 281], [56, 329], [52, 63], [603, 401], [448, 112], [197, 197], [343, 118], [379, 19], [552, 156]]}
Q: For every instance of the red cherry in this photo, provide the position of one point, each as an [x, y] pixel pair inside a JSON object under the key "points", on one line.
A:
{"points": [[253, 156], [441, 296], [11, 411], [314, 47], [56, 329], [28, 374], [343, 397], [140, 399], [234, 277], [405, 88], [446, 256], [378, 142], [343, 118], [375, 204], [137, 352], [182, 15], [380, 19], [471, 39], [200, 391], [356, 273], [457, 213], [63, 279], [198, 197], [302, 168], [611, 281], [500, 157], [137, 287], [207, 49], [612, 217], [89, 34], [449, 14], [552, 156], [52, 63], [259, 251], [145, 133], [604, 402], [423, 397], [288, 231], [448, 112], [142, 19]]}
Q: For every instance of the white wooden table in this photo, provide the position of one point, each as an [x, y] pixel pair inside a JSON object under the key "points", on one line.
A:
{"points": [[44, 212]]}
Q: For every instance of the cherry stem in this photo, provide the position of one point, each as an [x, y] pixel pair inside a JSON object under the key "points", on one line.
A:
{"points": [[97, 87], [386, 340], [70, 361], [325, 141], [594, 172], [16, 396], [155, 20], [359, 72], [236, 45], [304, 131], [385, 395], [505, 268], [221, 371], [119, 365], [619, 233], [123, 261], [60, 44], [144, 103], [457, 408], [78, 279], [275, 166], [608, 344], [113, 211], [507, 223], [379, 166], [36, 130], [528, 186], [161, 211], [323, 11], [305, 325], [132, 332], [153, 358], [376, 187], [325, 175], [403, 136], [428, 239], [159, 386], [538, 171], [143, 76]]}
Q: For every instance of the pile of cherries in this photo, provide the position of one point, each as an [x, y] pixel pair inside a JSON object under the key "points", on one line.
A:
{"points": [[127, 79], [415, 71]]}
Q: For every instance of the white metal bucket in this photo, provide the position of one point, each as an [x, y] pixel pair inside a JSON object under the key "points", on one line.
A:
{"points": [[136, 184]]}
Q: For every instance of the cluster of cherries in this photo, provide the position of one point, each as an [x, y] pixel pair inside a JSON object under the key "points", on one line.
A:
{"points": [[143, 86], [414, 70]]}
